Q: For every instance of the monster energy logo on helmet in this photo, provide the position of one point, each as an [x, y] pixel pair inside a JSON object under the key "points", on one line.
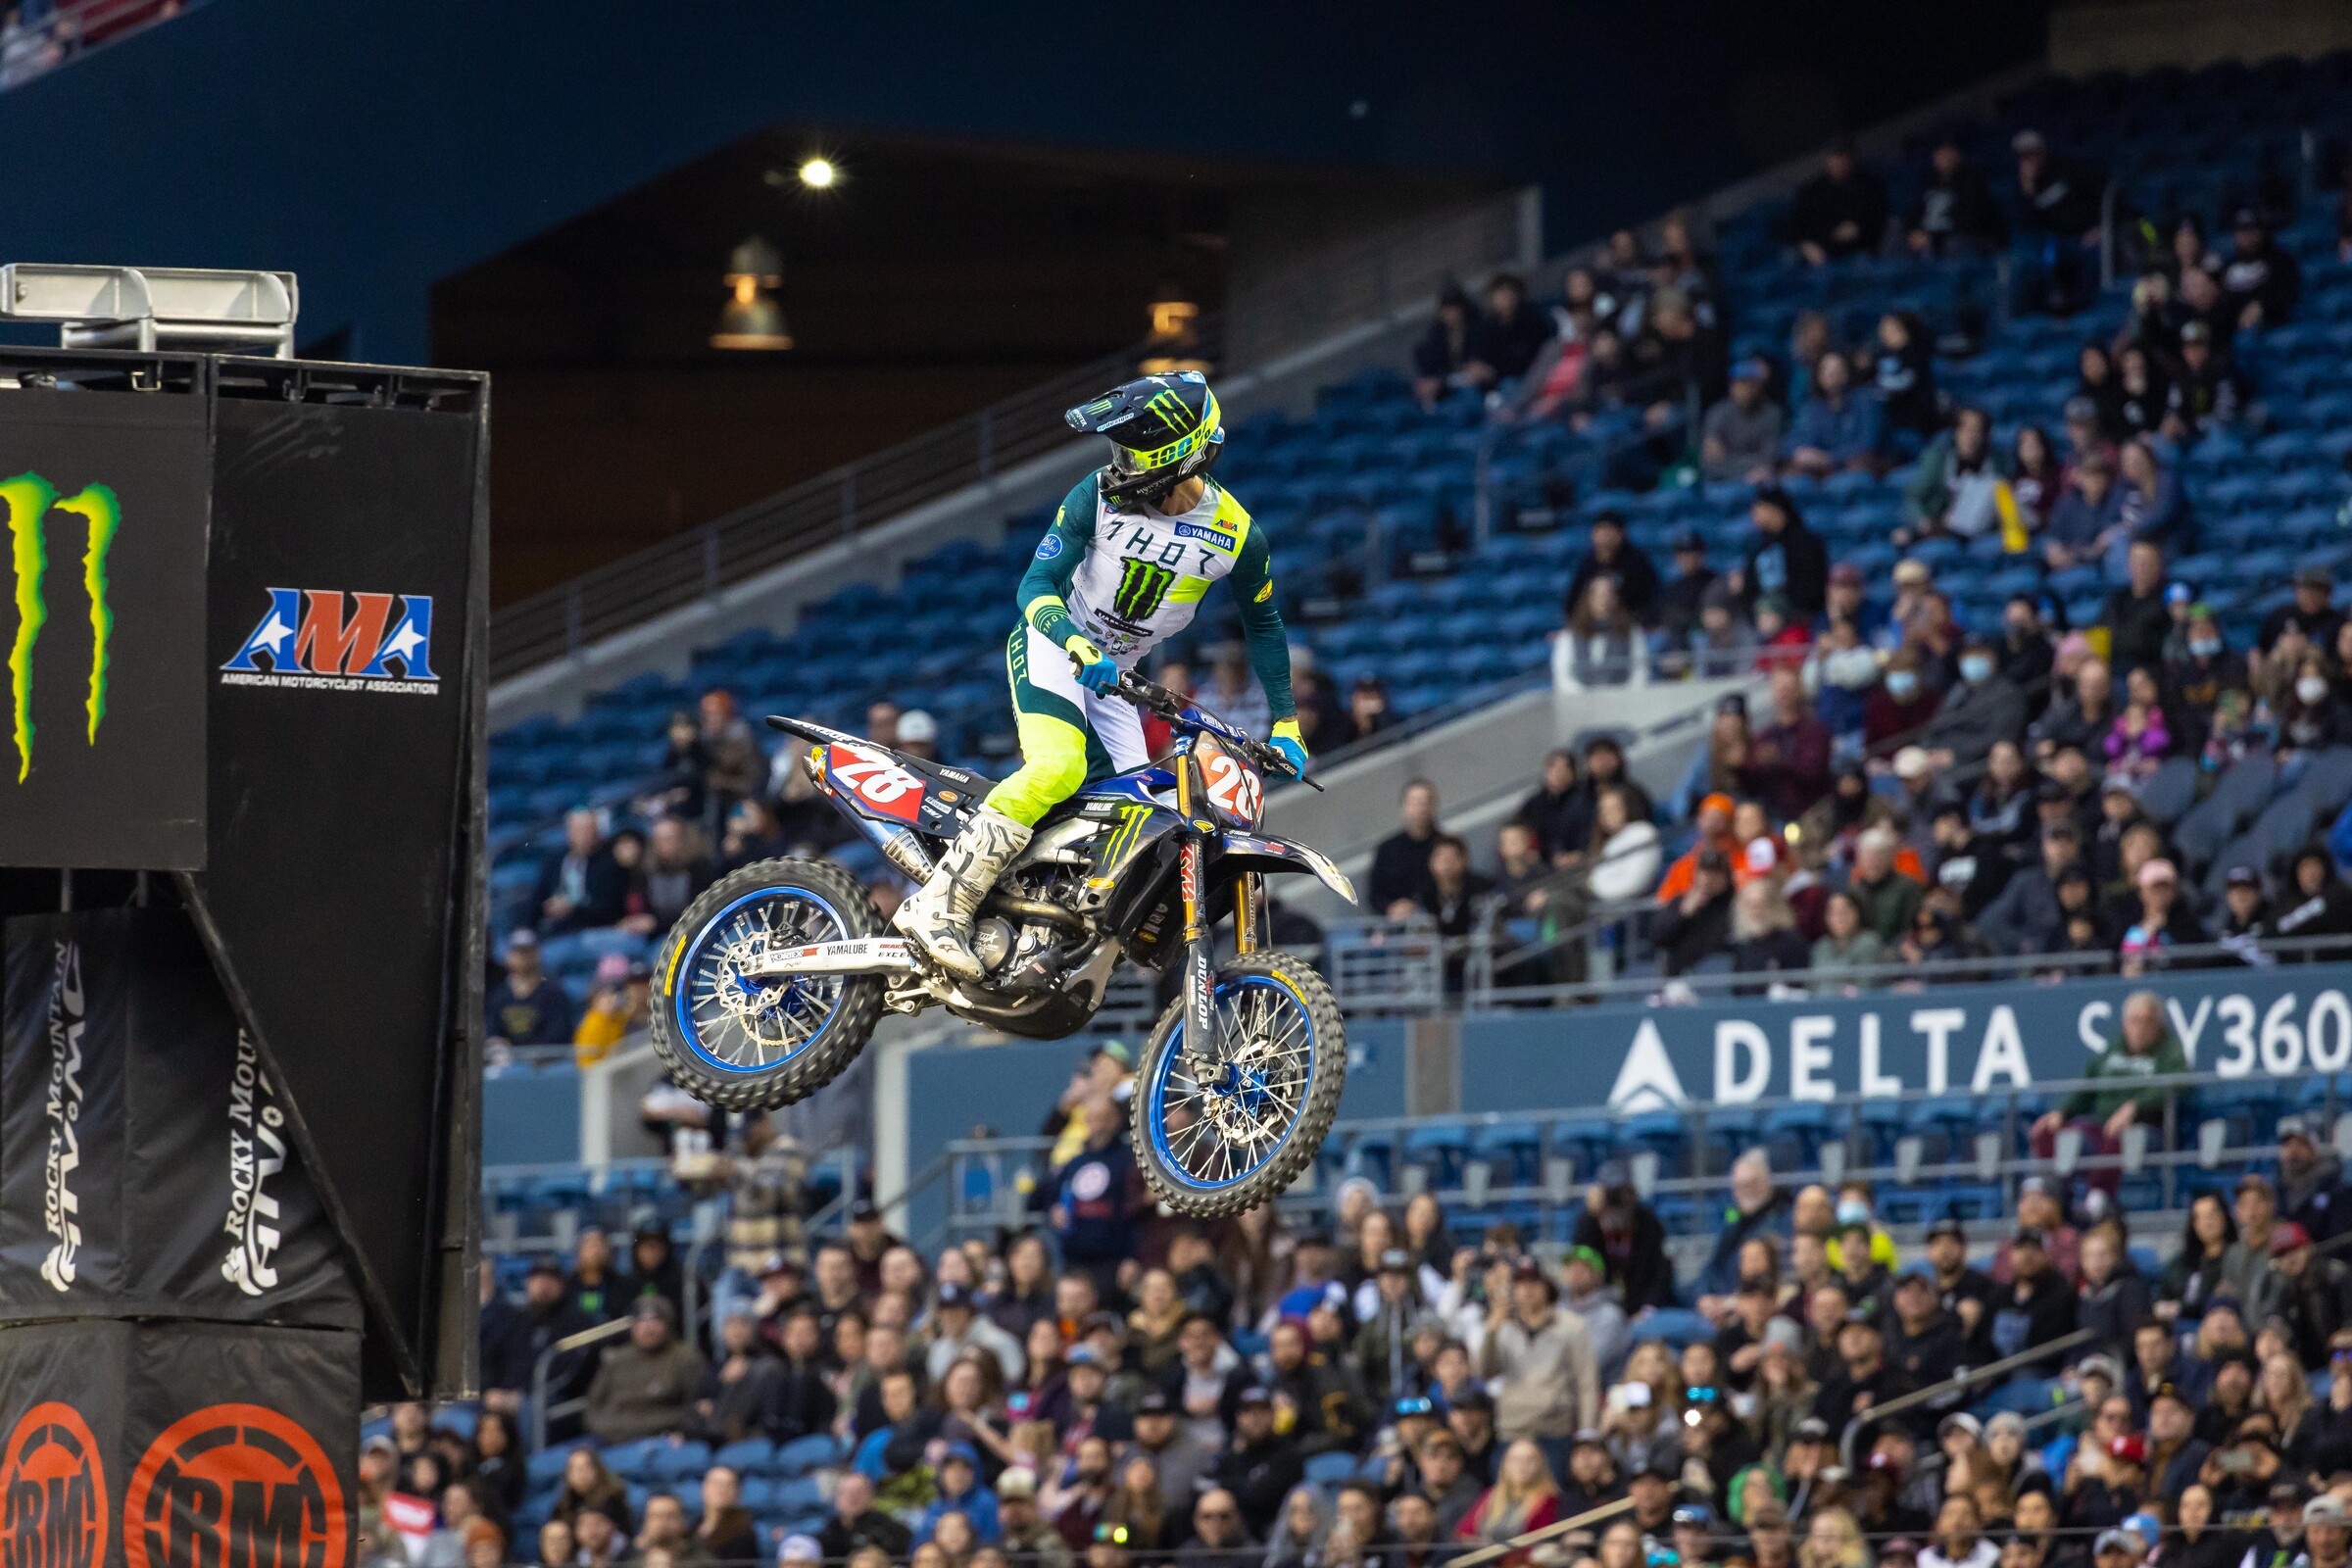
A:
{"points": [[1143, 588], [1163, 429], [28, 499]]}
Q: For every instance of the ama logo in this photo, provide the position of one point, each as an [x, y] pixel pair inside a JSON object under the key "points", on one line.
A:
{"points": [[234, 1486], [328, 640]]}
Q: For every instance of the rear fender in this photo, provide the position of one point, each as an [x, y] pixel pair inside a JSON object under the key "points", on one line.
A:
{"points": [[887, 787]]}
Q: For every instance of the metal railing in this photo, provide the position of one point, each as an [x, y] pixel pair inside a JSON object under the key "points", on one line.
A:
{"points": [[1562, 1146], [1958, 1383], [541, 1412], [839, 504]]}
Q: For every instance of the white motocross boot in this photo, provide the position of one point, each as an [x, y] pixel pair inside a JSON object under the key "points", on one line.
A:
{"points": [[938, 918]]}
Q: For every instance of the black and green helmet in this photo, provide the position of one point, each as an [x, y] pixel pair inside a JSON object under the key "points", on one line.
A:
{"points": [[1162, 430]]}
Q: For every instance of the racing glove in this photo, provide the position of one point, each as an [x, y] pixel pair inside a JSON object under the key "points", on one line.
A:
{"points": [[1095, 672], [1287, 740]]}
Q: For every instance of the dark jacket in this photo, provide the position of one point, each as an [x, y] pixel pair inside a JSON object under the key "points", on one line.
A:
{"points": [[599, 885], [1823, 204], [2137, 626], [1973, 716], [1636, 1257], [1400, 866], [1687, 938], [1793, 563], [1636, 579]]}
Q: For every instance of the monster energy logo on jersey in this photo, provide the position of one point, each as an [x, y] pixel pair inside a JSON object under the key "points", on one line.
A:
{"points": [[28, 499], [1143, 588]]}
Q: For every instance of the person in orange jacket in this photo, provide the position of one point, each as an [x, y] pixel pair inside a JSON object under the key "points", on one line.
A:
{"points": [[1714, 833]]}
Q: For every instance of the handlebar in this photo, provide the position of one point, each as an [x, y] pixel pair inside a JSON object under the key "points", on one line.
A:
{"points": [[1156, 700]]}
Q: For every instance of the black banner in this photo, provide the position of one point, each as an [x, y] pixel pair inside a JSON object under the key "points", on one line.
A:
{"points": [[178, 1445], [146, 1166], [103, 503], [345, 592]]}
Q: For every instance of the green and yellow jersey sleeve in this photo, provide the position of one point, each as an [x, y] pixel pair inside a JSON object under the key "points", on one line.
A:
{"points": [[1046, 584], [1253, 580]]}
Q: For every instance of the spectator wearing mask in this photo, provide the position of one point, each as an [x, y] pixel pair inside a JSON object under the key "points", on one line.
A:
{"points": [[1784, 557], [1612, 554], [1954, 212], [1840, 212], [1739, 438], [1505, 340], [1976, 714], [1837, 426], [1902, 704], [2261, 281]]}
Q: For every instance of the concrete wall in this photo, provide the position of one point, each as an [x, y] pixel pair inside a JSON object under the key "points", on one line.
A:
{"points": [[2132, 35]]}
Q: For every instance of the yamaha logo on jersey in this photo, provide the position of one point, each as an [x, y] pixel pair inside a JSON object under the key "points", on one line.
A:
{"points": [[60, 1208], [256, 1152], [323, 639]]}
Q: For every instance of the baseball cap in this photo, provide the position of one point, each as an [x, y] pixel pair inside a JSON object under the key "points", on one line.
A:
{"points": [[2116, 1540], [1909, 571], [2195, 332], [2028, 140], [2245, 218], [1017, 1482], [2079, 406], [2293, 1127], [1156, 1402], [1687, 540], [613, 968], [2179, 593], [953, 1294], [918, 727], [2244, 876], [1588, 1438], [2253, 1180], [1899, 1546], [1750, 368], [1395, 1260], [863, 1211], [1812, 1429], [2315, 577], [1473, 1399], [2028, 1236], [1846, 574], [522, 936], [2157, 870], [1082, 1354], [2286, 1236], [1947, 1226], [2325, 1510], [1911, 762], [962, 1454], [1697, 1514], [804, 1548], [1253, 1395], [2172, 1392], [2101, 1365], [1962, 1421], [2284, 1491], [1731, 703]]}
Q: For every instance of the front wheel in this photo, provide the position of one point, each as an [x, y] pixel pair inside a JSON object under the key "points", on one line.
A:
{"points": [[1217, 1142], [760, 1042]]}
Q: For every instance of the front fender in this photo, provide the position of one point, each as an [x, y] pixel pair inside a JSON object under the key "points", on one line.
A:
{"points": [[1276, 855]]}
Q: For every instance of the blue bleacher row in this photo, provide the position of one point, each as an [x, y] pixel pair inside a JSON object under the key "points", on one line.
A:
{"points": [[1370, 463]]}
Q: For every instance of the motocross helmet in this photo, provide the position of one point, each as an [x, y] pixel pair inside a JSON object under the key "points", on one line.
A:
{"points": [[1162, 430]]}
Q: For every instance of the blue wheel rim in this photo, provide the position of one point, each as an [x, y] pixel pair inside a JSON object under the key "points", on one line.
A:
{"points": [[772, 1022], [1263, 1092]]}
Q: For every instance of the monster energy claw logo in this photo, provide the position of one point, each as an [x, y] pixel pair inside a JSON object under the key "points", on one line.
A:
{"points": [[28, 500], [1143, 587]]}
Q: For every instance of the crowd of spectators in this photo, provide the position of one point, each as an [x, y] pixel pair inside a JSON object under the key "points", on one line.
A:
{"points": [[1917, 788], [1132, 1389]]}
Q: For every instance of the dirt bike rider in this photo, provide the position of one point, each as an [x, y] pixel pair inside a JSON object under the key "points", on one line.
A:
{"points": [[1133, 549]]}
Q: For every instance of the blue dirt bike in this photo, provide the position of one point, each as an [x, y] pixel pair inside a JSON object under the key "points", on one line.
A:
{"points": [[773, 981]]}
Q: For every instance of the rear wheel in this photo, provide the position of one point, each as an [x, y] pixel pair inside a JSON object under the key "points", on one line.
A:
{"points": [[758, 1043], [1215, 1143]]}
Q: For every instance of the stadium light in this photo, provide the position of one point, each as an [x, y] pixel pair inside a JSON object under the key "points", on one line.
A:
{"points": [[751, 318], [818, 174]]}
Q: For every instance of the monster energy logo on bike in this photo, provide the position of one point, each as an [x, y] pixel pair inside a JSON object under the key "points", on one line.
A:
{"points": [[1143, 588], [28, 499]]}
